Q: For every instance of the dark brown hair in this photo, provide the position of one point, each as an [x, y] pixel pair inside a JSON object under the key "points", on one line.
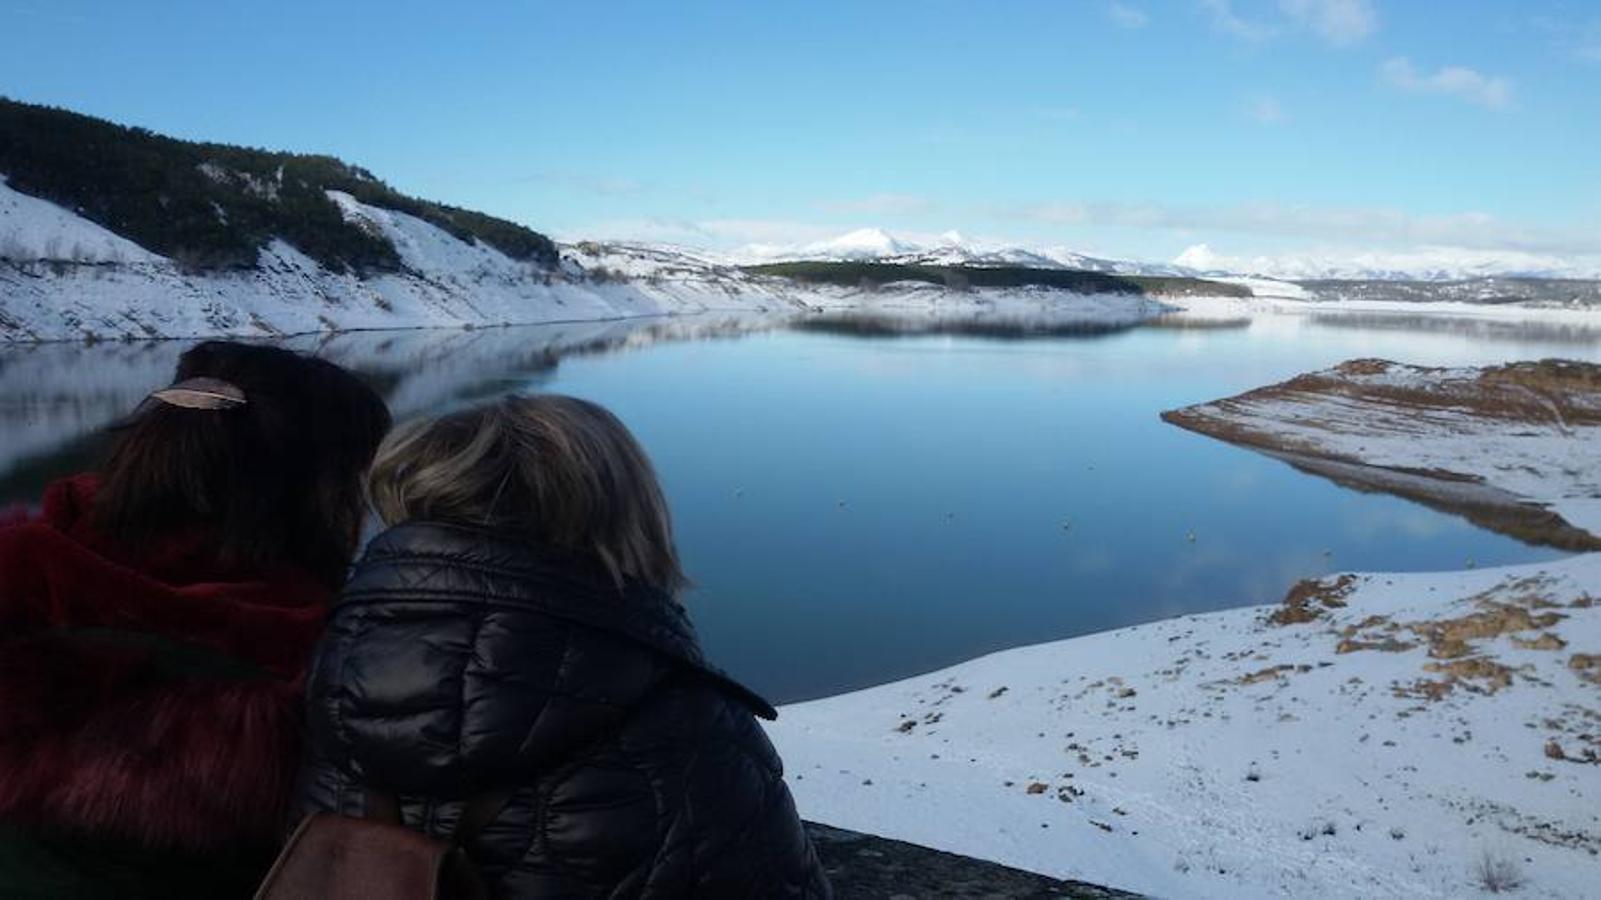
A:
{"points": [[557, 471], [277, 481]]}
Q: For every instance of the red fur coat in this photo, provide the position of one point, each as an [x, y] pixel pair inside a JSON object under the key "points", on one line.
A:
{"points": [[153, 700]]}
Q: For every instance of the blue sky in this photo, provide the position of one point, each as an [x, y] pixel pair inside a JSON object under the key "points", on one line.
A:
{"points": [[1131, 128]]}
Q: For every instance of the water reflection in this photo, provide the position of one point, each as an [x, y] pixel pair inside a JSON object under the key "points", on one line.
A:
{"points": [[998, 325], [1555, 331], [56, 399], [856, 508]]}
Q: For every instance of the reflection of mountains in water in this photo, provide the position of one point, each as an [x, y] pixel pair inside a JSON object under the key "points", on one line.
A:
{"points": [[1184, 321], [998, 325], [1554, 292], [57, 399], [1533, 330]]}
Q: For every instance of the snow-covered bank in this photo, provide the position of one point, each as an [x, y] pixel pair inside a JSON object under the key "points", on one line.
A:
{"points": [[1398, 732], [1522, 434], [63, 277]]}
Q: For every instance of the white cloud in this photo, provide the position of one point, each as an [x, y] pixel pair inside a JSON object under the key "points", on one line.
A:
{"points": [[1226, 20], [1125, 16], [1266, 110], [1370, 227], [1456, 81], [1340, 22], [881, 205]]}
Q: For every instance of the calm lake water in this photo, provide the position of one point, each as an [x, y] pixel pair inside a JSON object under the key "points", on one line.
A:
{"points": [[857, 507]]}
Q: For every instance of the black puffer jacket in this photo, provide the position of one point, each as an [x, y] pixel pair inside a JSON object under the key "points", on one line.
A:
{"points": [[457, 662]]}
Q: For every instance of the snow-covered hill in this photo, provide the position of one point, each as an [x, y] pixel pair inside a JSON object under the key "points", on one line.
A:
{"points": [[63, 277]]}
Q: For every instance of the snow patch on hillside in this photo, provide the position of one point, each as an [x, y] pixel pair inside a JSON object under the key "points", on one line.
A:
{"points": [[32, 229]]}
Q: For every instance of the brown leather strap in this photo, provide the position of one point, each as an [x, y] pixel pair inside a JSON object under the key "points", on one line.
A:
{"points": [[383, 806], [476, 813]]}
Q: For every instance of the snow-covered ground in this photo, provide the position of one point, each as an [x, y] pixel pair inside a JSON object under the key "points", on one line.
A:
{"points": [[1528, 431], [1375, 735], [1412, 730]]}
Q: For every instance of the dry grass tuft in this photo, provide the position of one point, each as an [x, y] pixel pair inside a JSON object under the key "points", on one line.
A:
{"points": [[1310, 598], [1496, 873], [1587, 665]]}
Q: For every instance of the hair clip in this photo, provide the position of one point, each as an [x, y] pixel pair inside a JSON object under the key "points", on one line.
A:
{"points": [[201, 393]]}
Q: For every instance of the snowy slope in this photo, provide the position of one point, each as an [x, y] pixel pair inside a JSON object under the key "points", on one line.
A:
{"points": [[1357, 754], [447, 282], [34, 229]]}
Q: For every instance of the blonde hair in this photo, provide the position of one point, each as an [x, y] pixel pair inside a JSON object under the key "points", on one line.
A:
{"points": [[558, 471]]}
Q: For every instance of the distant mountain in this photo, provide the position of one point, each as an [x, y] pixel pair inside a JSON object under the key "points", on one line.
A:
{"points": [[876, 244], [1429, 264], [1198, 261], [951, 248]]}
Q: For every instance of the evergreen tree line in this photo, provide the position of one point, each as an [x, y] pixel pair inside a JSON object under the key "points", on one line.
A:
{"points": [[214, 206]]}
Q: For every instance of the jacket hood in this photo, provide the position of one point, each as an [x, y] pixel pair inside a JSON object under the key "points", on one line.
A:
{"points": [[489, 568]]}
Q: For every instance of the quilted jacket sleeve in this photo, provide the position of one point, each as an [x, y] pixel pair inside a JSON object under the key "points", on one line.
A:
{"points": [[733, 830]]}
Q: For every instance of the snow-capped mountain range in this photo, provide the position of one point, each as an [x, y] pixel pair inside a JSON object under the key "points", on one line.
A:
{"points": [[950, 248], [1196, 261]]}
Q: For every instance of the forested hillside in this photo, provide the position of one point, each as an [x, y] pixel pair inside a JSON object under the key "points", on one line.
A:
{"points": [[215, 206]]}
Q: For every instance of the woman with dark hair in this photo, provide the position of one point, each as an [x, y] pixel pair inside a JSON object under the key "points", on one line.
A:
{"points": [[155, 622], [509, 668]]}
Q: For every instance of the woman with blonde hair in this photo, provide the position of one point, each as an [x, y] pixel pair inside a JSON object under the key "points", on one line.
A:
{"points": [[510, 651]]}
